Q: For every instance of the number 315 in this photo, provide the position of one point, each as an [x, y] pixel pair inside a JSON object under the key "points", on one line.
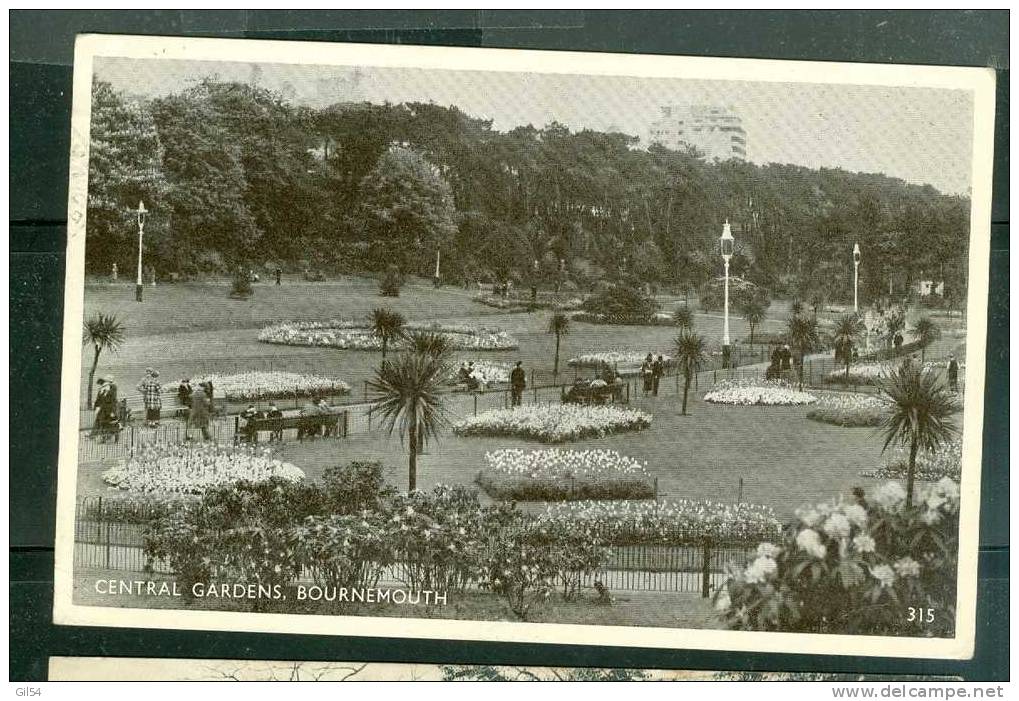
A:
{"points": [[920, 615]]}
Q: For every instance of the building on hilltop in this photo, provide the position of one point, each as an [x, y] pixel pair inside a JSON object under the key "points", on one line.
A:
{"points": [[716, 132]]}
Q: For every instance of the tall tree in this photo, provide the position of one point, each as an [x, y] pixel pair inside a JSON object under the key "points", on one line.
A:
{"points": [[559, 326], [102, 332], [407, 396], [803, 335], [754, 311], [691, 355], [920, 417]]}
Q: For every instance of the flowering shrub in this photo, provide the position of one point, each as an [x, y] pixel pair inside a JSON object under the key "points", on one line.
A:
{"points": [[621, 358], [854, 567], [675, 522], [554, 423], [946, 462], [557, 474], [187, 469], [358, 335], [343, 550], [249, 386], [757, 393], [850, 409]]}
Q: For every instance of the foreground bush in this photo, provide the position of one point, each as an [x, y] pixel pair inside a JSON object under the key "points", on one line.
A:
{"points": [[561, 475], [554, 423], [849, 410], [855, 567]]}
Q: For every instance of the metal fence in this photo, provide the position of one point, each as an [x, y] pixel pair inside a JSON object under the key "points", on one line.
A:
{"points": [[103, 540]]}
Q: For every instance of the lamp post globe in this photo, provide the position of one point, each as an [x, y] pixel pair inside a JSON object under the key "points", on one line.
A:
{"points": [[726, 245], [140, 212]]}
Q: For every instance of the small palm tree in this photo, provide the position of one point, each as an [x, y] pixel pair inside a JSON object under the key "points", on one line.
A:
{"points": [[926, 332], [690, 357], [406, 395], [388, 326], [803, 336], [102, 332], [895, 323], [920, 417], [683, 318], [430, 343], [559, 325], [754, 312], [848, 328]]}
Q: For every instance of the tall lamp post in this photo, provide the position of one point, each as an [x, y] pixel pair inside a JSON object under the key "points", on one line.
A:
{"points": [[856, 278], [141, 212], [727, 247]]}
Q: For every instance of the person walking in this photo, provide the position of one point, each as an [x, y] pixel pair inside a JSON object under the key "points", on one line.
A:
{"points": [[953, 374], [185, 392], [201, 408], [151, 396], [105, 410], [787, 359], [518, 383], [645, 373], [657, 370], [279, 275]]}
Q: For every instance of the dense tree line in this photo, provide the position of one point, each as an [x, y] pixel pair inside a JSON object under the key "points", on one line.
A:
{"points": [[234, 174]]}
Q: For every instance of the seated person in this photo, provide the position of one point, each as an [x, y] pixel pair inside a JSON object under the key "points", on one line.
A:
{"points": [[276, 433], [310, 423], [250, 416]]}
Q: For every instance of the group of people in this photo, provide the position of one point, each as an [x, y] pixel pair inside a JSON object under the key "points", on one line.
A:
{"points": [[651, 371], [781, 362]]}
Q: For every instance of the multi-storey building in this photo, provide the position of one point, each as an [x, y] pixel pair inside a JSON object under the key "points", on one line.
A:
{"points": [[716, 132]]}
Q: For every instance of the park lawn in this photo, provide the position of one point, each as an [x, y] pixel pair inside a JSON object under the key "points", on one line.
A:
{"points": [[629, 608]]}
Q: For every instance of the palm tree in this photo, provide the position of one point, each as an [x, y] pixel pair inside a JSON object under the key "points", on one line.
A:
{"points": [[920, 417], [848, 328], [559, 325], [803, 335], [388, 326], [895, 323], [690, 356], [406, 395], [926, 332], [102, 332], [430, 343], [754, 312], [683, 318]]}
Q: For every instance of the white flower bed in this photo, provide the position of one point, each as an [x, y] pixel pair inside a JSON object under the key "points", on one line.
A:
{"points": [[358, 335], [860, 373], [757, 393], [247, 386], [554, 423], [179, 469], [485, 373], [557, 463], [613, 358]]}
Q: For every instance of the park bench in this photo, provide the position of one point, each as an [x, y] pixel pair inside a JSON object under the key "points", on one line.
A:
{"points": [[334, 424], [584, 392]]}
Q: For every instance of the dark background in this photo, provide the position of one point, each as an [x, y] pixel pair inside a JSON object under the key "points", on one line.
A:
{"points": [[41, 53]]}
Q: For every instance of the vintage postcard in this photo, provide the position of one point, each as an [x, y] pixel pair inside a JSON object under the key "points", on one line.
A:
{"points": [[524, 346]]}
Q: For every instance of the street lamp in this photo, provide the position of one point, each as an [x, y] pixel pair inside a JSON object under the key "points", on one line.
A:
{"points": [[856, 278], [141, 212], [727, 246]]}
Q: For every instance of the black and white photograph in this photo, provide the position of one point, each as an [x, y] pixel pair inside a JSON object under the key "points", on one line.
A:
{"points": [[505, 345]]}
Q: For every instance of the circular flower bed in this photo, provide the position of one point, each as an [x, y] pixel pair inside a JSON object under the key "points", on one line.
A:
{"points": [[757, 393], [675, 522], [554, 423], [484, 372], [849, 409], [246, 386], [185, 469], [359, 335], [859, 374], [946, 462], [559, 475]]}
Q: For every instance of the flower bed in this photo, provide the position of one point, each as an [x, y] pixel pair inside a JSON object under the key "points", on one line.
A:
{"points": [[947, 462], [554, 423], [859, 374], [848, 409], [757, 393], [485, 373], [248, 386], [675, 522], [623, 358], [524, 303], [624, 319], [358, 335], [563, 475], [177, 469]]}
